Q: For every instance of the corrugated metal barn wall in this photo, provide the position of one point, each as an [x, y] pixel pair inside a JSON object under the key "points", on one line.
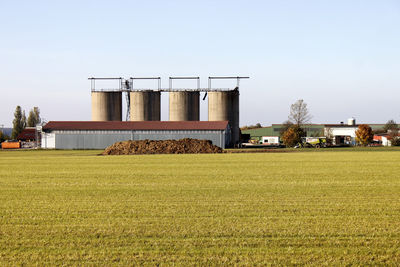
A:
{"points": [[81, 139]]}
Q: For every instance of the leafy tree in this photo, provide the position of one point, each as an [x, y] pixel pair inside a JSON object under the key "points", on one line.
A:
{"points": [[34, 117], [285, 126], [364, 134], [19, 122], [395, 141], [3, 137], [391, 125], [392, 128], [292, 136], [299, 114], [23, 120]]}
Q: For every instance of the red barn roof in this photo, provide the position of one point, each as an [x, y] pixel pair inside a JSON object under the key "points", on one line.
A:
{"points": [[27, 134], [135, 125]]}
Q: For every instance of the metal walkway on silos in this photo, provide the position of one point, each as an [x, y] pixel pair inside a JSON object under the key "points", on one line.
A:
{"points": [[127, 85]]}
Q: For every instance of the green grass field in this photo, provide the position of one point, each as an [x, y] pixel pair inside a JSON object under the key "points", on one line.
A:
{"points": [[320, 208]]}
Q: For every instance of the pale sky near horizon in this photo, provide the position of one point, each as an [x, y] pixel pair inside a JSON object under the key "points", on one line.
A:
{"points": [[341, 57]]}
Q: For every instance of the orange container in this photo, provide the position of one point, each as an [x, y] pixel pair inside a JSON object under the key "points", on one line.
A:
{"points": [[6, 145]]}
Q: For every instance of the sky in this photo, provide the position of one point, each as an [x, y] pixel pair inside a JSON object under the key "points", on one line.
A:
{"points": [[341, 57]]}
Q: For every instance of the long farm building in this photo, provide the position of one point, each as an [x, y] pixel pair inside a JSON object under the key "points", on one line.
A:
{"points": [[100, 134]]}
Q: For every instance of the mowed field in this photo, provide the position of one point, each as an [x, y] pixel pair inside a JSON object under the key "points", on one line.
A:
{"points": [[322, 207]]}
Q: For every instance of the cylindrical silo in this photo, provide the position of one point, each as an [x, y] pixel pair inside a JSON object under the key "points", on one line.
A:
{"points": [[351, 121], [106, 106], [145, 105], [224, 106], [184, 106]]}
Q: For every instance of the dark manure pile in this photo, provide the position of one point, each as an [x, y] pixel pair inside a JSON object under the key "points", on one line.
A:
{"points": [[182, 146]]}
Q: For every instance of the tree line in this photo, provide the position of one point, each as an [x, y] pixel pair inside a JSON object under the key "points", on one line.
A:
{"points": [[20, 122]]}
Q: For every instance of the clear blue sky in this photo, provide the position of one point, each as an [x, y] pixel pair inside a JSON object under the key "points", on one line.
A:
{"points": [[341, 57]]}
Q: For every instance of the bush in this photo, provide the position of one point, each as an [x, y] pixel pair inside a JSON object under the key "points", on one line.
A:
{"points": [[3, 137], [396, 141], [249, 127], [292, 136], [364, 135]]}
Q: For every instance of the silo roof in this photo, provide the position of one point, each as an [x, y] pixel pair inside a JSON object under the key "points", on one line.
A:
{"points": [[135, 125]]}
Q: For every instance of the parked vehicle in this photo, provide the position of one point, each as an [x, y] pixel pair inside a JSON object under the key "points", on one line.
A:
{"points": [[265, 141], [270, 140], [10, 144], [316, 142]]}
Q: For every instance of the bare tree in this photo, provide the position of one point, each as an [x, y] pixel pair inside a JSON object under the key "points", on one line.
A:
{"points": [[329, 135], [391, 125], [299, 114]]}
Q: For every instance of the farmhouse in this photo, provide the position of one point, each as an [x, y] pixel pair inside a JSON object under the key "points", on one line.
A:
{"points": [[342, 134], [384, 139], [100, 134], [345, 134]]}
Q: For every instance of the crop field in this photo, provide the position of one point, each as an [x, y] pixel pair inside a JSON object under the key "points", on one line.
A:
{"points": [[322, 207]]}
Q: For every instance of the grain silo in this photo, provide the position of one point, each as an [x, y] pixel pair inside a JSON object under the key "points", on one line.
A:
{"points": [[224, 106], [351, 121], [145, 105], [184, 106], [106, 106]]}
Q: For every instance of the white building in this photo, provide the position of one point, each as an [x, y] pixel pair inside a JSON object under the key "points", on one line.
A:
{"points": [[384, 139], [342, 134]]}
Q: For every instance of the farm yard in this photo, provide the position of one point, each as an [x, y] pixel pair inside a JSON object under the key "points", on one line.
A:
{"points": [[330, 207]]}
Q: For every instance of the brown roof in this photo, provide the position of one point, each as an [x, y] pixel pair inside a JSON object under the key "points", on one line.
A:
{"points": [[135, 125], [27, 134]]}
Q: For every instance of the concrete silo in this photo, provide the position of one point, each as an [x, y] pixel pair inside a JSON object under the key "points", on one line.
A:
{"points": [[106, 106], [184, 106], [145, 105], [224, 106], [351, 121]]}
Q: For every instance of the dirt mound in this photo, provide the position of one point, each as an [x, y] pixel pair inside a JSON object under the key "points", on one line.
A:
{"points": [[182, 146]]}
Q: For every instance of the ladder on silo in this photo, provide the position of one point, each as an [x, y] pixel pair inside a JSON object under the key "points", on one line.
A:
{"points": [[128, 105], [126, 86]]}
